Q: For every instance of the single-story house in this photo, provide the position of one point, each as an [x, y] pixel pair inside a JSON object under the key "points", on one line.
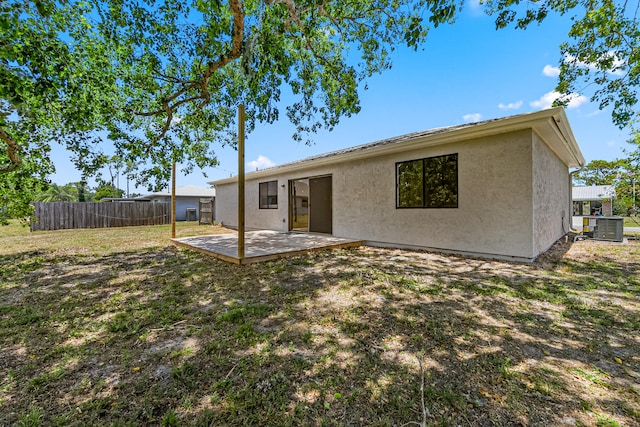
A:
{"points": [[498, 188], [593, 200], [188, 200]]}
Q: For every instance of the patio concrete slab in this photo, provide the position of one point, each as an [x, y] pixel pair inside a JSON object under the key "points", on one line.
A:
{"points": [[263, 245]]}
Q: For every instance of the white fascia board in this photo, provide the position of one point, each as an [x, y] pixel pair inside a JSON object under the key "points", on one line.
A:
{"points": [[557, 134]]}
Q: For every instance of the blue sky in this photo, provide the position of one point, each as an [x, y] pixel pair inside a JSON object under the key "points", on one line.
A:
{"points": [[467, 71]]}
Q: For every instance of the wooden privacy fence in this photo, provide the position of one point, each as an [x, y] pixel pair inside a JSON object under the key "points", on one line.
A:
{"points": [[61, 215]]}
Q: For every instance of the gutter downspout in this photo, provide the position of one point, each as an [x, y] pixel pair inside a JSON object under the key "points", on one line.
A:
{"points": [[571, 229]]}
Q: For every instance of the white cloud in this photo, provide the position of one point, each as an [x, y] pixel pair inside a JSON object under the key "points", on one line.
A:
{"points": [[474, 117], [261, 162], [546, 100], [475, 5], [551, 71], [510, 106]]}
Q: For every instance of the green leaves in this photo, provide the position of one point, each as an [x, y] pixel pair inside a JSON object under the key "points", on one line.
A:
{"points": [[163, 79], [444, 11], [600, 59], [599, 172], [623, 174], [18, 186], [183, 74]]}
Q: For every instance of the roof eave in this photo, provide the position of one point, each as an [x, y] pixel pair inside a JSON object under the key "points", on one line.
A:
{"points": [[557, 134], [551, 124]]}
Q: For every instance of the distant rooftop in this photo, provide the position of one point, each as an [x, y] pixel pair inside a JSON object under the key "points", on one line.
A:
{"points": [[185, 191], [593, 192]]}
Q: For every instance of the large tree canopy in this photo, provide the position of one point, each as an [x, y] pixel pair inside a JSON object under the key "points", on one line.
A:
{"points": [[628, 183], [162, 79], [623, 174], [599, 172], [185, 66], [601, 57], [54, 88]]}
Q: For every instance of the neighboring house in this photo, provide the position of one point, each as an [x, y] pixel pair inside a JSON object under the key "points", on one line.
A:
{"points": [[593, 200], [499, 188], [187, 200]]}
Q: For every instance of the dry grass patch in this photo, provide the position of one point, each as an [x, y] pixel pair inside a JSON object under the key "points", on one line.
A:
{"points": [[126, 330], [16, 237]]}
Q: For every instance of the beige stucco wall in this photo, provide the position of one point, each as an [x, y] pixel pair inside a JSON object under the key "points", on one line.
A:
{"points": [[551, 197], [494, 200], [255, 218], [227, 204], [497, 189]]}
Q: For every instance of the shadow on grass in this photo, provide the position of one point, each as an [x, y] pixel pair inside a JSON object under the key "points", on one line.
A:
{"points": [[350, 337]]}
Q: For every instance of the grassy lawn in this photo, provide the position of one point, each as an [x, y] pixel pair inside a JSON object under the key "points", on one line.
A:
{"points": [[117, 327], [632, 221]]}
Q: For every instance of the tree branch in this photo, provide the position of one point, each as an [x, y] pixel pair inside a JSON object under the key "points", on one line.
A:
{"points": [[200, 85], [12, 151]]}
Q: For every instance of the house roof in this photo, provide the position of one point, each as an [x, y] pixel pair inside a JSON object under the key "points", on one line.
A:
{"points": [[185, 191], [551, 125], [593, 192], [123, 199]]}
